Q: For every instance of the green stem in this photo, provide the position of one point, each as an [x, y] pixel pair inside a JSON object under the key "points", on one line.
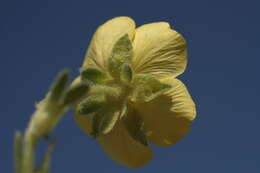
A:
{"points": [[30, 142], [48, 113], [18, 152]]}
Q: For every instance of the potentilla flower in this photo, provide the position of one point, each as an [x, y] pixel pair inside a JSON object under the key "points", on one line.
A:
{"points": [[135, 97]]}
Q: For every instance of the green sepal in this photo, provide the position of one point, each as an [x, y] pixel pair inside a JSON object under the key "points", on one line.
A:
{"points": [[103, 122], [107, 122], [147, 88], [58, 87], [126, 74], [135, 126], [90, 104], [122, 52], [75, 93], [18, 152], [95, 124], [94, 75], [123, 111], [109, 91]]}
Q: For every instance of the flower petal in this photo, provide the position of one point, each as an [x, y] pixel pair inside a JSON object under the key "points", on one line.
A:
{"points": [[159, 50], [118, 144], [167, 118], [84, 122], [124, 149], [104, 39]]}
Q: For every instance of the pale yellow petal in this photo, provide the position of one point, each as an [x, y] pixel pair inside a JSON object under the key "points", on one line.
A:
{"points": [[104, 39], [123, 149], [118, 144], [167, 118], [159, 50], [84, 122]]}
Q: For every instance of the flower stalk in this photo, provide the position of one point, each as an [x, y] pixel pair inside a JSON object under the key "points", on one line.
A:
{"points": [[48, 113]]}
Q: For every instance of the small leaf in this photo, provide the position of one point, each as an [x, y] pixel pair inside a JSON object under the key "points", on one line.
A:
{"points": [[18, 152], [134, 125], [126, 74], [91, 104], [94, 75], [147, 88], [122, 53], [59, 85], [75, 93]]}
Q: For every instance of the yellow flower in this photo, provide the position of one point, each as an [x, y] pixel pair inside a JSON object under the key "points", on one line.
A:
{"points": [[154, 104]]}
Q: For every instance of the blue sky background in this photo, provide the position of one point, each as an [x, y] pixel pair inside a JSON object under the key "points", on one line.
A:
{"points": [[39, 38]]}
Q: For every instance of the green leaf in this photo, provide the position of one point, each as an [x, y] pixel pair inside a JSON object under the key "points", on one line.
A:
{"points": [[126, 74], [94, 75], [108, 121], [122, 53], [75, 93], [59, 85], [147, 88], [135, 126], [18, 152], [91, 104]]}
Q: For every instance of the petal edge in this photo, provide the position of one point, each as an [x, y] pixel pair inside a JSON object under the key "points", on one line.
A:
{"points": [[104, 39], [159, 50], [167, 119]]}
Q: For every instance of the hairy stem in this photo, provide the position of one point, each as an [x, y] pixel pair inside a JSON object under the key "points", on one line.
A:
{"points": [[28, 150]]}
